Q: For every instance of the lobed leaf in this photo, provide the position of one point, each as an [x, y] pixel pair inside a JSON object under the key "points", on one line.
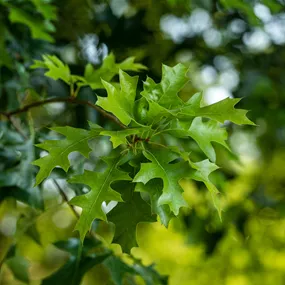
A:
{"points": [[120, 137], [40, 29], [165, 92], [76, 140], [100, 185], [73, 271], [206, 132], [120, 270], [108, 70], [56, 68], [221, 111], [126, 224], [202, 171], [154, 190], [160, 167], [120, 102]]}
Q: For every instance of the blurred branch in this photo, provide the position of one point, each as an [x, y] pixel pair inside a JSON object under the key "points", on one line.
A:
{"points": [[70, 100], [65, 198], [17, 128]]}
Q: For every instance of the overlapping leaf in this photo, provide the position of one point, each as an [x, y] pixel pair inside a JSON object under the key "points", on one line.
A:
{"points": [[16, 177], [165, 92], [92, 77], [118, 269], [76, 266], [120, 137], [120, 102], [125, 216], [171, 173], [163, 96], [120, 272], [76, 140], [160, 167], [154, 190], [157, 170], [204, 133], [163, 100], [108, 70], [202, 171], [100, 185]]}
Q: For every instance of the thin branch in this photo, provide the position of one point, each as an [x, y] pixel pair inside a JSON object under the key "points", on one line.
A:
{"points": [[17, 128], [70, 100], [65, 198]]}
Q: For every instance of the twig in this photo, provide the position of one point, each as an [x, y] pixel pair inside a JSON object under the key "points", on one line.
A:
{"points": [[16, 127], [65, 198], [70, 100]]}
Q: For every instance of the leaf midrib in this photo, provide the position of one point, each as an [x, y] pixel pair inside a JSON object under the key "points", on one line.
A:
{"points": [[159, 166], [102, 186], [73, 144]]}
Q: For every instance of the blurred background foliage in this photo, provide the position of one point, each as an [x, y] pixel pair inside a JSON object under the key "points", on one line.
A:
{"points": [[233, 48]]}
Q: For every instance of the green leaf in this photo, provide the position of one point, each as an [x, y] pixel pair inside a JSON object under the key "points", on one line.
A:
{"points": [[202, 132], [76, 140], [202, 171], [243, 7], [172, 173], [5, 58], [47, 10], [92, 77], [154, 190], [100, 184], [149, 274], [160, 167], [17, 174], [156, 112], [19, 266], [141, 110], [165, 92], [118, 269], [206, 132], [120, 137], [273, 5], [56, 68], [39, 29], [221, 111], [74, 269], [126, 224], [120, 103], [108, 70]]}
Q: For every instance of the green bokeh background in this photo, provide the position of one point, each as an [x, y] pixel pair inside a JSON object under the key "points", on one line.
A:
{"points": [[232, 48]]}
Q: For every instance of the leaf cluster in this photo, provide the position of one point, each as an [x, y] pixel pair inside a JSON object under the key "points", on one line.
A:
{"points": [[144, 170]]}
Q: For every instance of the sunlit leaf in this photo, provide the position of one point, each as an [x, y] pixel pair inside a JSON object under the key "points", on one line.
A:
{"points": [[120, 102], [109, 68]]}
